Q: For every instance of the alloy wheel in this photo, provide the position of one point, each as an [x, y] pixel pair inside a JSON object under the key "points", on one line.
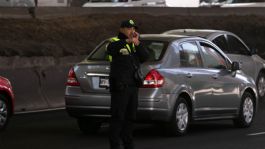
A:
{"points": [[248, 110], [182, 116]]}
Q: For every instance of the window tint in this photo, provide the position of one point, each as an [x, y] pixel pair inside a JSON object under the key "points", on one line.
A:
{"points": [[212, 59], [156, 50], [100, 52], [220, 41], [190, 55], [236, 47]]}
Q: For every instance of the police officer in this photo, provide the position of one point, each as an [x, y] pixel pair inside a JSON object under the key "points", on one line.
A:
{"points": [[124, 51]]}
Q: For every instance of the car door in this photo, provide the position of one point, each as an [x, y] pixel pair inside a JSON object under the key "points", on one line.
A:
{"points": [[225, 87], [197, 78]]}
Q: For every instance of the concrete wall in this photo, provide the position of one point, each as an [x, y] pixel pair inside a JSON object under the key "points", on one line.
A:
{"points": [[46, 12], [38, 82]]}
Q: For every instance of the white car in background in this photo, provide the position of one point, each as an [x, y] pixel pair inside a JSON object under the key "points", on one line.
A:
{"points": [[259, 4], [31, 3], [252, 64], [123, 3], [17, 3], [139, 3]]}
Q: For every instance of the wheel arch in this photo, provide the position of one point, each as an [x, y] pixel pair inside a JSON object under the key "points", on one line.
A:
{"points": [[9, 100], [189, 100]]}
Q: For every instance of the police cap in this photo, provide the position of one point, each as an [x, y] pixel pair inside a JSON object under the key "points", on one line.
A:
{"points": [[128, 24]]}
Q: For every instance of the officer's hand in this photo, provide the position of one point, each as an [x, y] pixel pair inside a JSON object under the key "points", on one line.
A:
{"points": [[135, 35], [135, 38]]}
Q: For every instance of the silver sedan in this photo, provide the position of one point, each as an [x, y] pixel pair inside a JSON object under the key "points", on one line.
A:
{"points": [[187, 79]]}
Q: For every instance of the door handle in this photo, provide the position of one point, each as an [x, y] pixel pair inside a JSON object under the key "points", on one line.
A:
{"points": [[188, 75]]}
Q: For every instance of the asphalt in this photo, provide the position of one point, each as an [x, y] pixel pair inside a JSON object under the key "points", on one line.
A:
{"points": [[56, 130]]}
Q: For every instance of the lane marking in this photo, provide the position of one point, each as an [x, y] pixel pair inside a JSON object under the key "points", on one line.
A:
{"points": [[256, 134]]}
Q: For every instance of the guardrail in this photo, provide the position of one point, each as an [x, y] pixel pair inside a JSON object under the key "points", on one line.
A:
{"points": [[51, 12]]}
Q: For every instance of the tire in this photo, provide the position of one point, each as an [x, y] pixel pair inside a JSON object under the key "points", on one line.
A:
{"points": [[246, 111], [261, 85], [5, 112], [89, 126], [180, 120]]}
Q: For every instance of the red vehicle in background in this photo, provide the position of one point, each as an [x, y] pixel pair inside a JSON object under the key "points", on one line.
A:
{"points": [[6, 102]]}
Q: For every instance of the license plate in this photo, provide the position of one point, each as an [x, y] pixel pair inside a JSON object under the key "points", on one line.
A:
{"points": [[104, 82]]}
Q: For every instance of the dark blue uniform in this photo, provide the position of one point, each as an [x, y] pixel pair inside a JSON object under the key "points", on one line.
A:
{"points": [[124, 91]]}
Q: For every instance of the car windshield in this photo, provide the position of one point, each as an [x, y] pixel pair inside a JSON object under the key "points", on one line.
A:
{"points": [[156, 50]]}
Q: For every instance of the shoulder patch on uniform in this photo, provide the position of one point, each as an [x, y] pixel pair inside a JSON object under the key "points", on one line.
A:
{"points": [[124, 51]]}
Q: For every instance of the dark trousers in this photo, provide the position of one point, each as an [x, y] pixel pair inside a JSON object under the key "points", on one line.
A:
{"points": [[123, 112]]}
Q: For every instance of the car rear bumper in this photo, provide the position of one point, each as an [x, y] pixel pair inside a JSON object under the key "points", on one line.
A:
{"points": [[98, 106]]}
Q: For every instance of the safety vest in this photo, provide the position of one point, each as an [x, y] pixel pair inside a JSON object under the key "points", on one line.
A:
{"points": [[109, 57]]}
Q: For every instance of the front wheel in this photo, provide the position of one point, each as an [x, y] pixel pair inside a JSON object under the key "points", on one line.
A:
{"points": [[246, 111], [180, 121], [4, 112]]}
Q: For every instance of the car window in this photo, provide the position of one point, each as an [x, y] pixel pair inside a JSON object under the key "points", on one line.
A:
{"points": [[156, 50], [100, 52], [236, 46], [212, 59], [190, 55], [221, 42]]}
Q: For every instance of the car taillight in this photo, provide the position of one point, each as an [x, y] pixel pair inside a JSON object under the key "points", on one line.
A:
{"points": [[153, 79], [71, 80]]}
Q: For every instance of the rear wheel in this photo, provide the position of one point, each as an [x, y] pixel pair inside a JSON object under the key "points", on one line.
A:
{"points": [[261, 85], [246, 111], [89, 126], [4, 112], [181, 118]]}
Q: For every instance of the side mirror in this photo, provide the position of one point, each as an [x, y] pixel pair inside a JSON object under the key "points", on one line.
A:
{"points": [[235, 66]]}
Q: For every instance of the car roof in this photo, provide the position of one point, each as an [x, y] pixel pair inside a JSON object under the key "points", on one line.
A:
{"points": [[164, 37], [204, 33]]}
